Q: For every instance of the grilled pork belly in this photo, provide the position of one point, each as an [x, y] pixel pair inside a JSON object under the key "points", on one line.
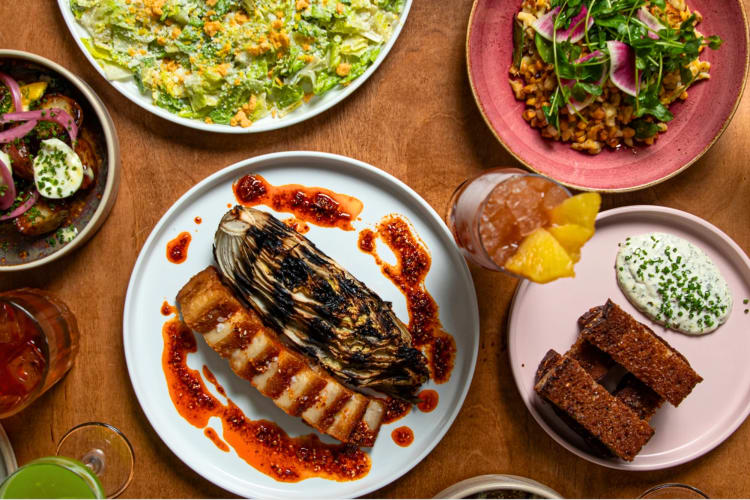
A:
{"points": [[256, 354]]}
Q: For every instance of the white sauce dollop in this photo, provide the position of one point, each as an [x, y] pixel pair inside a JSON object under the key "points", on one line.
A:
{"points": [[673, 282]]}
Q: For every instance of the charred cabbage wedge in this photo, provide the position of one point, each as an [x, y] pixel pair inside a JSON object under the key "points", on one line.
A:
{"points": [[321, 308]]}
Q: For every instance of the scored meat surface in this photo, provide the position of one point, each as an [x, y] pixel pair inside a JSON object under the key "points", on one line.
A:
{"points": [[256, 353]]}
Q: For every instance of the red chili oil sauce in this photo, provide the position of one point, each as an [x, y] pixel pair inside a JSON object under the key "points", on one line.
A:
{"points": [[395, 409], [402, 436], [428, 400], [298, 225], [260, 443], [409, 273], [167, 309], [315, 205], [177, 249]]}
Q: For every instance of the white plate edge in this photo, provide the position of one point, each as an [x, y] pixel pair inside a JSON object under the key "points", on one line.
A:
{"points": [[291, 156], [274, 123]]}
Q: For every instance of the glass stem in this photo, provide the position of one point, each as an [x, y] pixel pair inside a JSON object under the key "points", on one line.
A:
{"points": [[94, 460]]}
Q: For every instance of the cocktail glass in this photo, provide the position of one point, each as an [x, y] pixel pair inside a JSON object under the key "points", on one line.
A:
{"points": [[38, 343], [94, 460], [490, 214]]}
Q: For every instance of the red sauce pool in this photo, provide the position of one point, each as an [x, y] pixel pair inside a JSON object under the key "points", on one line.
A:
{"points": [[198, 220], [429, 400], [167, 309], [315, 205], [211, 434], [260, 443], [395, 409], [409, 273], [402, 436], [177, 249]]}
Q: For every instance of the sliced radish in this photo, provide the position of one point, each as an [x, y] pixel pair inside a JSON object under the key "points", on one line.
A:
{"points": [[622, 68], [545, 26], [646, 17]]}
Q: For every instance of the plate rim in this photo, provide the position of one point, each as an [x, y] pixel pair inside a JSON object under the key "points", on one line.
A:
{"points": [[699, 155], [621, 465], [280, 158], [274, 124]]}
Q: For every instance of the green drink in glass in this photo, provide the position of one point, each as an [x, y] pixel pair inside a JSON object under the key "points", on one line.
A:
{"points": [[103, 467], [52, 477]]}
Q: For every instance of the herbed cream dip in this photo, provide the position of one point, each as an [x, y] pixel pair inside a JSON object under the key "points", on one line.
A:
{"points": [[673, 282]]}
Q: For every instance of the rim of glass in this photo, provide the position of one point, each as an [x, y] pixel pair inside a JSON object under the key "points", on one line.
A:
{"points": [[518, 173], [118, 432], [67, 463], [679, 486]]}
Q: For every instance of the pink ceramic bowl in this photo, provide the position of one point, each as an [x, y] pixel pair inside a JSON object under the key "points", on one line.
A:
{"points": [[699, 121]]}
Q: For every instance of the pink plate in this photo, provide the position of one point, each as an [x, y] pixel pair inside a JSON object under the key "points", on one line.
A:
{"points": [[698, 123], [715, 408]]}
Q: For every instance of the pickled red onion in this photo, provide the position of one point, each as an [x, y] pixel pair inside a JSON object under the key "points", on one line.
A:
{"points": [[6, 199], [17, 132], [15, 90], [25, 206], [53, 114]]}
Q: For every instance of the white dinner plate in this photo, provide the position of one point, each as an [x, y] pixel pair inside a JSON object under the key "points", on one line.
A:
{"points": [[544, 317], [315, 106], [154, 280]]}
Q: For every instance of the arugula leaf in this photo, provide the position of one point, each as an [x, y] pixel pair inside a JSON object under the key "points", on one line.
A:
{"points": [[518, 43], [544, 48]]}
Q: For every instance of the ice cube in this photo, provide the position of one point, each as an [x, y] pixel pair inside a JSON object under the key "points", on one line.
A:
{"points": [[26, 367]]}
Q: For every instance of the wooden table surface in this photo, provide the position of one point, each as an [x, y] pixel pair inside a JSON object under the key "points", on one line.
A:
{"points": [[416, 119]]}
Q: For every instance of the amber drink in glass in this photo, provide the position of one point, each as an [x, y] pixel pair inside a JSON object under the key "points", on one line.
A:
{"points": [[489, 215], [38, 343]]}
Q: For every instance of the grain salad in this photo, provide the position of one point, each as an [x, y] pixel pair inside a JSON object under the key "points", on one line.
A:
{"points": [[603, 73]]}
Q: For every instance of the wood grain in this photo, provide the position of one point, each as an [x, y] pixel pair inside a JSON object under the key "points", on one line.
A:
{"points": [[416, 119]]}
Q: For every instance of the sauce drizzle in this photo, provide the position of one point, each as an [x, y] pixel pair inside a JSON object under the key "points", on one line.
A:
{"points": [[402, 436], [167, 309], [395, 409], [260, 443], [409, 274], [211, 434], [298, 225], [428, 400], [197, 220], [315, 205], [177, 249]]}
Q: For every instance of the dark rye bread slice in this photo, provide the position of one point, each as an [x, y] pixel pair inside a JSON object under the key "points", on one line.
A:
{"points": [[638, 396], [631, 391], [594, 361], [565, 384], [640, 351]]}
